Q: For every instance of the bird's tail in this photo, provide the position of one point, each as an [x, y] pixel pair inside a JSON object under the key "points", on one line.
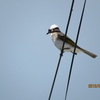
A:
{"points": [[88, 53]]}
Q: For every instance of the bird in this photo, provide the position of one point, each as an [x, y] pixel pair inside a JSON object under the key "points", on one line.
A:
{"points": [[58, 38]]}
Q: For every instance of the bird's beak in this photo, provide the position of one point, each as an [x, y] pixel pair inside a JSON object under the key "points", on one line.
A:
{"points": [[49, 31]]}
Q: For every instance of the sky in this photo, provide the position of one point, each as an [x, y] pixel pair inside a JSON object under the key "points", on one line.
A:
{"points": [[28, 57]]}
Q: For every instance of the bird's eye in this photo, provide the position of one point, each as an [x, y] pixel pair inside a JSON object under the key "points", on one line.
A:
{"points": [[49, 30]]}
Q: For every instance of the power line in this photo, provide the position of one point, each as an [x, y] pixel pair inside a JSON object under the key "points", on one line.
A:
{"points": [[61, 54], [75, 49]]}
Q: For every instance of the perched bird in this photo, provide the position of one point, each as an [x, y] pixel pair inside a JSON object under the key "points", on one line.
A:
{"points": [[58, 37]]}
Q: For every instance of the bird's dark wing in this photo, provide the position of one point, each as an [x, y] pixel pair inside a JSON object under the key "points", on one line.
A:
{"points": [[67, 39]]}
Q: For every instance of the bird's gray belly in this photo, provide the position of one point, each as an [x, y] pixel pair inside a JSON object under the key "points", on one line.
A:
{"points": [[67, 47]]}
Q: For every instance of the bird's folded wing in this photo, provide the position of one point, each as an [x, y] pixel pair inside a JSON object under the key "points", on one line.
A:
{"points": [[67, 39]]}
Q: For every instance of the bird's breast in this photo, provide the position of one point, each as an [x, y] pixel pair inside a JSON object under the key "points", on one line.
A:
{"points": [[54, 36], [57, 42]]}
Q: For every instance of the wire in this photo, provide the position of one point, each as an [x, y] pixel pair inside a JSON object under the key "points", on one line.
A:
{"points": [[61, 54], [67, 26], [74, 50]]}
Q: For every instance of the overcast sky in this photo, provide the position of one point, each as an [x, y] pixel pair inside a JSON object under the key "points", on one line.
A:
{"points": [[28, 57]]}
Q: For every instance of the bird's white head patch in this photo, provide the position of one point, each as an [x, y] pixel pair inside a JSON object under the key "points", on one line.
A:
{"points": [[53, 26]]}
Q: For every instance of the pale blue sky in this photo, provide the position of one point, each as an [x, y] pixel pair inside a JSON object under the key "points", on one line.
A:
{"points": [[28, 58]]}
